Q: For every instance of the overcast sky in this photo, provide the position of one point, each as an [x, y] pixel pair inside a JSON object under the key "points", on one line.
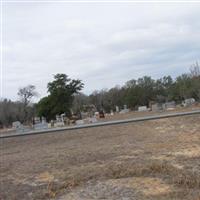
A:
{"points": [[103, 44]]}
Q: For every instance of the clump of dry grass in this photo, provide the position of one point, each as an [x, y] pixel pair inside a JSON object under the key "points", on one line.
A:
{"points": [[174, 175], [51, 190], [187, 179], [124, 170]]}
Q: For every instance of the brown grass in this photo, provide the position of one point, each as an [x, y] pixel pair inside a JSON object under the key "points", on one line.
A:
{"points": [[162, 154], [175, 176]]}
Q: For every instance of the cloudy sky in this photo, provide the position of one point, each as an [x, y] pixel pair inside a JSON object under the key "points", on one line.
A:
{"points": [[103, 44]]}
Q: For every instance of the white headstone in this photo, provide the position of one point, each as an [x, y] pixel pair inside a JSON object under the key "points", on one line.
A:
{"points": [[124, 111], [156, 107], [188, 102], [96, 114], [79, 122], [16, 125], [92, 120], [62, 117], [170, 105], [117, 108], [142, 108], [43, 120]]}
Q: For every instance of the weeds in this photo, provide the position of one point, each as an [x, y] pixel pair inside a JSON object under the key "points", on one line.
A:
{"points": [[174, 176]]}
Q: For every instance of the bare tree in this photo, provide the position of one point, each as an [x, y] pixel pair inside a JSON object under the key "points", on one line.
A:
{"points": [[26, 94], [195, 70]]}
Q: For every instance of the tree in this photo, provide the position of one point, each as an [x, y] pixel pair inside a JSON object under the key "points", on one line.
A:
{"points": [[61, 94], [11, 111], [183, 87], [26, 94], [44, 108], [195, 70], [80, 100], [146, 90], [117, 96], [195, 76], [163, 88]]}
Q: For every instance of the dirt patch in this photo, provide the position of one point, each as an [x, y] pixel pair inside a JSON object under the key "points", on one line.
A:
{"points": [[146, 185], [45, 177], [193, 151]]}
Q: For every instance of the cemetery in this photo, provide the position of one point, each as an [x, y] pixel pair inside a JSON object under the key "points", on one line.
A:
{"points": [[93, 116]]}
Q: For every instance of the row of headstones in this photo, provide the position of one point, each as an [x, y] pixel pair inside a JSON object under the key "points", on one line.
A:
{"points": [[158, 106], [18, 127], [167, 106], [37, 124], [40, 123], [60, 121]]}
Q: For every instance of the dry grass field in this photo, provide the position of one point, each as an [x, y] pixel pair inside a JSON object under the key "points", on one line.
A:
{"points": [[147, 160]]}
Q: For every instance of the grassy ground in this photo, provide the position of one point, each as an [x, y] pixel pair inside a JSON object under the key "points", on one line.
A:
{"points": [[146, 160]]}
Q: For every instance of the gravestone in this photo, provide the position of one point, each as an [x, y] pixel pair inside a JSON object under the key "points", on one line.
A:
{"points": [[36, 120], [96, 114], [188, 102], [92, 120], [16, 125], [59, 124], [63, 117], [124, 111], [84, 115], [169, 105], [44, 120], [58, 118], [79, 122], [111, 112], [117, 109], [142, 108], [156, 107], [59, 121], [40, 126]]}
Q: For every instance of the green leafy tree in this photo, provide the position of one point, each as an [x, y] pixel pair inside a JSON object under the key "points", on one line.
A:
{"points": [[162, 89], [61, 94], [182, 88]]}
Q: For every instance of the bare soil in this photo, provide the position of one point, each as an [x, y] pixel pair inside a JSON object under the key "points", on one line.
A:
{"points": [[157, 159]]}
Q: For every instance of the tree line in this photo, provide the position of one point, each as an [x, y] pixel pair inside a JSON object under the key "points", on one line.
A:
{"points": [[64, 96], [144, 90]]}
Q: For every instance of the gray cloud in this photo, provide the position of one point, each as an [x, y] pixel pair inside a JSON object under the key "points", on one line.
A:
{"points": [[102, 44]]}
